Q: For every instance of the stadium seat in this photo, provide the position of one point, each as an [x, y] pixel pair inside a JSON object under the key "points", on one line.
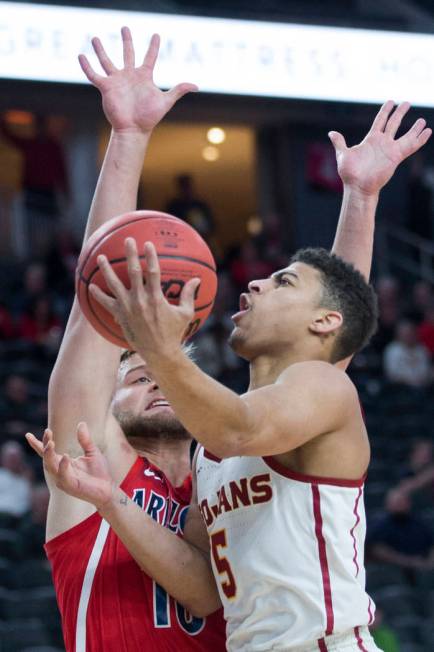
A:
{"points": [[379, 576], [8, 543], [40, 602], [33, 573], [397, 601], [43, 648], [19, 634]]}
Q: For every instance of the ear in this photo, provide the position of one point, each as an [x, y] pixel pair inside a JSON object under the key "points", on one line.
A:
{"points": [[326, 323]]}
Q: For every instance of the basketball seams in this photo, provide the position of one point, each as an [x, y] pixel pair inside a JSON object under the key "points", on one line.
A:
{"points": [[117, 227], [114, 261]]}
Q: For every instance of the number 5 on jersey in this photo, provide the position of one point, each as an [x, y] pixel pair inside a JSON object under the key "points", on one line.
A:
{"points": [[228, 584]]}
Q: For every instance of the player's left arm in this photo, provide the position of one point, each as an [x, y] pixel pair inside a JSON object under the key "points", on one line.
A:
{"points": [[182, 566], [365, 169]]}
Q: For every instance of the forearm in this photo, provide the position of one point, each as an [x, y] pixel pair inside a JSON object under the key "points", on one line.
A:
{"points": [[76, 390], [118, 183], [355, 231], [183, 570], [213, 414]]}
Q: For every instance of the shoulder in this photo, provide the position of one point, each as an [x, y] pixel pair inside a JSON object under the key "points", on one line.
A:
{"points": [[323, 377]]}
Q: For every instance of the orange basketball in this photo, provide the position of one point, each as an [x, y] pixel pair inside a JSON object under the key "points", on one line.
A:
{"points": [[182, 254]]}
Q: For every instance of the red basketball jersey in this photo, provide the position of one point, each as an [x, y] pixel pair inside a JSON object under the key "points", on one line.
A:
{"points": [[106, 601]]}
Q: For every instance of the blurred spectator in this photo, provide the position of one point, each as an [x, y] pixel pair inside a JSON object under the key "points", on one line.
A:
{"points": [[34, 285], [426, 330], [249, 266], [61, 262], [15, 478], [7, 328], [418, 473], [44, 180], [421, 456], [422, 298], [384, 637], [419, 218], [17, 410], [405, 360], [389, 311], [187, 206], [269, 241], [399, 537], [32, 527], [39, 321]]}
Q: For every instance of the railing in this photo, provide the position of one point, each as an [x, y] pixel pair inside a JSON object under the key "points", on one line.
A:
{"points": [[400, 250]]}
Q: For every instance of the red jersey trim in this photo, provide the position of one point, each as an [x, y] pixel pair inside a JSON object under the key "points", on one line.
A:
{"points": [[322, 551], [356, 514], [359, 640], [83, 525], [210, 456], [322, 645], [311, 479], [370, 614]]}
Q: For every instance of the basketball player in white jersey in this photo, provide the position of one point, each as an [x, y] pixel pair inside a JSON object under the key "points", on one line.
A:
{"points": [[281, 468]]}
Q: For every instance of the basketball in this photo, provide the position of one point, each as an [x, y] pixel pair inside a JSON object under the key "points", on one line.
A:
{"points": [[182, 254]]}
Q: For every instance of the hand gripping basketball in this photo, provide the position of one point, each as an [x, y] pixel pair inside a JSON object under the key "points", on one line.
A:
{"points": [[147, 319], [179, 255]]}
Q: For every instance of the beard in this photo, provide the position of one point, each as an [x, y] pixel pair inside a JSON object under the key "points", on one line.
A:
{"points": [[161, 427]]}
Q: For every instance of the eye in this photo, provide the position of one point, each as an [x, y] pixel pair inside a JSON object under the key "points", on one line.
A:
{"points": [[142, 379], [284, 280]]}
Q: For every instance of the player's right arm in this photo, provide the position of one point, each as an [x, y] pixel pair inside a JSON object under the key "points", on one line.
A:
{"points": [[181, 566], [83, 377]]}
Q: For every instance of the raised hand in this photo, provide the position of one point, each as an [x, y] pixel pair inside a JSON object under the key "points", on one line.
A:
{"points": [[149, 322], [86, 477], [367, 167], [130, 99]]}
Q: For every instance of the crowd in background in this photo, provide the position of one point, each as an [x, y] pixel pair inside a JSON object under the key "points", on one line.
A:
{"points": [[394, 375]]}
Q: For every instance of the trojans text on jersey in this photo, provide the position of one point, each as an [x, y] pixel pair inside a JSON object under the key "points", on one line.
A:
{"points": [[237, 493]]}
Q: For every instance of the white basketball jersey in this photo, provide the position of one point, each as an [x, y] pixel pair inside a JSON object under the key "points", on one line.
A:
{"points": [[287, 552]]}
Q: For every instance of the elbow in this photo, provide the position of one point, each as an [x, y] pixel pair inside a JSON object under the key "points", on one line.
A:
{"points": [[202, 608], [233, 445]]}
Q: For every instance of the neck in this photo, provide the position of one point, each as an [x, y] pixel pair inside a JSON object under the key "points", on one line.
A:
{"points": [[171, 457], [266, 369]]}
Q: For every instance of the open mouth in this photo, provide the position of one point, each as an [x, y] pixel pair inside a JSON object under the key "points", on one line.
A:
{"points": [[159, 402], [244, 305]]}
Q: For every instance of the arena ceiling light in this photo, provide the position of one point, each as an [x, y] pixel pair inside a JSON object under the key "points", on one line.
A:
{"points": [[41, 42]]}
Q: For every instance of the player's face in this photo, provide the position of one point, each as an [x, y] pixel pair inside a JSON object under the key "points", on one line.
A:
{"points": [[277, 312], [139, 406]]}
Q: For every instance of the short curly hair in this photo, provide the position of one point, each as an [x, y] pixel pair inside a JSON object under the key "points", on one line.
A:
{"points": [[346, 291]]}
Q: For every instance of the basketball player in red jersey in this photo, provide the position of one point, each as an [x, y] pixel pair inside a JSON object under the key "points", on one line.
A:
{"points": [[280, 471], [107, 603]]}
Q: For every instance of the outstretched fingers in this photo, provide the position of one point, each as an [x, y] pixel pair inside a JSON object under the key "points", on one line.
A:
{"points": [[151, 55], [128, 48], [113, 281], [35, 443], [188, 295], [415, 138], [395, 120], [178, 91], [84, 438], [382, 117], [90, 73], [66, 478], [106, 63]]}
